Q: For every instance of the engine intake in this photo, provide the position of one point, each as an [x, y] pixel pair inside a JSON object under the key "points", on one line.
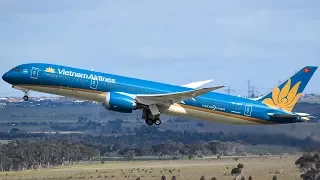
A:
{"points": [[119, 102]]}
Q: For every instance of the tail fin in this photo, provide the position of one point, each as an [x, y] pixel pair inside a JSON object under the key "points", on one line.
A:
{"points": [[288, 93]]}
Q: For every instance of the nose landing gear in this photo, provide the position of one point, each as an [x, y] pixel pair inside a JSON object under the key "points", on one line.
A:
{"points": [[25, 97]]}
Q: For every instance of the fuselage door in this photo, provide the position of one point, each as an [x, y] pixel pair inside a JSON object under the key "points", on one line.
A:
{"points": [[94, 83], [248, 110], [34, 73]]}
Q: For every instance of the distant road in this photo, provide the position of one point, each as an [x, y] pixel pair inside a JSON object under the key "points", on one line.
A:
{"points": [[60, 132]]}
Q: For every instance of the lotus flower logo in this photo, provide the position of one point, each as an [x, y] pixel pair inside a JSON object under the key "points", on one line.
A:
{"points": [[50, 70], [285, 98]]}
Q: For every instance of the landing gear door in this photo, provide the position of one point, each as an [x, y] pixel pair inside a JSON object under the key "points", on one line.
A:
{"points": [[94, 84], [34, 73]]}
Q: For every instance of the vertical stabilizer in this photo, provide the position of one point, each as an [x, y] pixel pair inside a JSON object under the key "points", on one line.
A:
{"points": [[288, 93]]}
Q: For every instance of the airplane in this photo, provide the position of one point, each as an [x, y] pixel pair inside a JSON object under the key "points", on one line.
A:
{"points": [[126, 94]]}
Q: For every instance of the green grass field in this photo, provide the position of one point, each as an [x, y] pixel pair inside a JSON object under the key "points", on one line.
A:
{"points": [[260, 168]]}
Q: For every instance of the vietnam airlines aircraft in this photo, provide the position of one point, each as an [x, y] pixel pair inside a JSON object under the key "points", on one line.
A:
{"points": [[124, 94]]}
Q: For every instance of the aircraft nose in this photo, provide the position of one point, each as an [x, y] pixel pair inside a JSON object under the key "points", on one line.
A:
{"points": [[5, 77]]}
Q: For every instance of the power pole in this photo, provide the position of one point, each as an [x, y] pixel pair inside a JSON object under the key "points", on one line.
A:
{"points": [[252, 92], [229, 90], [249, 87], [53, 114], [95, 114]]}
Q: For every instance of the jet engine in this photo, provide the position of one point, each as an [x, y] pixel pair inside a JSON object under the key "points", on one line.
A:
{"points": [[119, 102]]}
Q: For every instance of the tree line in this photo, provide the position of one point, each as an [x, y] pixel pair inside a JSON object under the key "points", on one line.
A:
{"points": [[22, 155], [148, 136], [309, 165], [30, 150]]}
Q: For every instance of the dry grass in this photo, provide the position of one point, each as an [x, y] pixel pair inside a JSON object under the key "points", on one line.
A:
{"points": [[259, 168]]}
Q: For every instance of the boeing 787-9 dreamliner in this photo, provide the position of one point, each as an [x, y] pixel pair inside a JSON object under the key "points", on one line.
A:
{"points": [[125, 94]]}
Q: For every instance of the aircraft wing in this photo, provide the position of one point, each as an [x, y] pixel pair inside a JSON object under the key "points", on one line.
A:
{"points": [[173, 97], [197, 84]]}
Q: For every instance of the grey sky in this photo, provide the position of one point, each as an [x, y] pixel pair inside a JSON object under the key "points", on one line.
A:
{"points": [[175, 42]]}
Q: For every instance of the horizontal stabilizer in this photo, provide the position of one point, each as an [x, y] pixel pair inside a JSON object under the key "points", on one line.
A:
{"points": [[303, 116], [173, 97], [283, 115], [197, 84]]}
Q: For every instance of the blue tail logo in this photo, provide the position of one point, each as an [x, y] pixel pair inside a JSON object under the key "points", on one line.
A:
{"points": [[288, 93]]}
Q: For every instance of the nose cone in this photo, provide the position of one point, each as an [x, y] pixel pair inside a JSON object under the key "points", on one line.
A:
{"points": [[5, 77]]}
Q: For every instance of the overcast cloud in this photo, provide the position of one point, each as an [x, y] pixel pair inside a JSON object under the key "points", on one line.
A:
{"points": [[175, 42]]}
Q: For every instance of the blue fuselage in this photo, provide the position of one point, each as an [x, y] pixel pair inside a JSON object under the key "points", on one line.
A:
{"points": [[39, 75]]}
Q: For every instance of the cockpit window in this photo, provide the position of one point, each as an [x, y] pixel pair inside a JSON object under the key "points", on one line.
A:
{"points": [[16, 69]]}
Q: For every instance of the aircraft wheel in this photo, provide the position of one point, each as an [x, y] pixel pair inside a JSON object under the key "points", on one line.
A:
{"points": [[25, 98], [149, 122], [158, 122]]}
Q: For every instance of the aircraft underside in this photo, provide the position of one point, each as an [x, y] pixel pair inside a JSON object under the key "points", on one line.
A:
{"points": [[147, 114]]}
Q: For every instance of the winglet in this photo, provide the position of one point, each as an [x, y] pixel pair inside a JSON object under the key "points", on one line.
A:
{"points": [[197, 84]]}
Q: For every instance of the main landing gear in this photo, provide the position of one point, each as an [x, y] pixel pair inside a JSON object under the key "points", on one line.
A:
{"points": [[151, 119]]}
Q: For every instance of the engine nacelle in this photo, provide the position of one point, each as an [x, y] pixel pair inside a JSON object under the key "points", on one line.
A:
{"points": [[119, 102]]}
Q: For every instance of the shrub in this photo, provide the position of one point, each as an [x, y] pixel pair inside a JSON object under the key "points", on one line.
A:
{"points": [[236, 171], [250, 178], [240, 166], [202, 178]]}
